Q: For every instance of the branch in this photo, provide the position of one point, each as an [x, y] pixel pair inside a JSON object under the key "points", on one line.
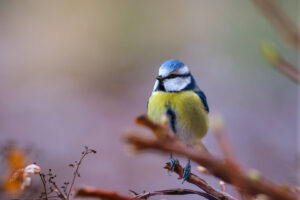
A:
{"points": [[112, 195], [76, 172], [193, 179], [252, 184], [226, 147], [59, 193], [280, 63], [42, 176], [178, 191], [280, 21], [100, 193], [222, 138]]}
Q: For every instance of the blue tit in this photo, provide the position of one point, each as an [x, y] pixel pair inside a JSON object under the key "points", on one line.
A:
{"points": [[176, 95]]}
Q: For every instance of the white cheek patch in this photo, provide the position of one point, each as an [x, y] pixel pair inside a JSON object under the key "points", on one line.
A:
{"points": [[176, 84]]}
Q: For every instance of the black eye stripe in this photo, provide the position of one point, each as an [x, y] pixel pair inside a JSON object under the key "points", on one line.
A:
{"points": [[177, 75]]}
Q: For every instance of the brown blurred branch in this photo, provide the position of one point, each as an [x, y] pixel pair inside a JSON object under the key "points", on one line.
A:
{"points": [[100, 193], [280, 21], [193, 179], [280, 63], [288, 69], [288, 31], [44, 182], [226, 147], [222, 138], [252, 184], [112, 195]]}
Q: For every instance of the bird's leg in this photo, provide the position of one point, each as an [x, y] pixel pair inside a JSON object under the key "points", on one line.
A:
{"points": [[173, 162], [186, 171]]}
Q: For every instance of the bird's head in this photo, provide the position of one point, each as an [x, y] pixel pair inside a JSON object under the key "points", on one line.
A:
{"points": [[174, 76]]}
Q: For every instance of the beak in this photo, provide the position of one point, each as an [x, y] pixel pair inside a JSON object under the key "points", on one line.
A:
{"points": [[160, 78]]}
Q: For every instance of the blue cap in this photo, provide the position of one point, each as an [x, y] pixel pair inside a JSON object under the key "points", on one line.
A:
{"points": [[171, 65]]}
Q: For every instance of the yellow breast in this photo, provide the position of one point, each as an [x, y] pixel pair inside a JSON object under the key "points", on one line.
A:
{"points": [[191, 116]]}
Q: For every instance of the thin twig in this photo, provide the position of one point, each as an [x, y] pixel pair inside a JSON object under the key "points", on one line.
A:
{"points": [[251, 184], [44, 185], [76, 172], [178, 191], [59, 193], [194, 179]]}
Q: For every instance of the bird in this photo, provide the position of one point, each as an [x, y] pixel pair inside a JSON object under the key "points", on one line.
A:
{"points": [[177, 96]]}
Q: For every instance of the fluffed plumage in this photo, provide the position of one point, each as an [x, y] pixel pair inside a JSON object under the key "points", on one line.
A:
{"points": [[177, 95]]}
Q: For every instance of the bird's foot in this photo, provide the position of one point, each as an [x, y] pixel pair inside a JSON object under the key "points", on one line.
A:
{"points": [[186, 172], [173, 162]]}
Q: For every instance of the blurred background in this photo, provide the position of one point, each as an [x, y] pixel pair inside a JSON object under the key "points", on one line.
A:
{"points": [[76, 73]]}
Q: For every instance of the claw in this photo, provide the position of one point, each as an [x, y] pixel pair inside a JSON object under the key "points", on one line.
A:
{"points": [[186, 171], [173, 162]]}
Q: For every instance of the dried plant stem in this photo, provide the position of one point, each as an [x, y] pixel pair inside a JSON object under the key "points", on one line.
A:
{"points": [[59, 193], [44, 185], [75, 174]]}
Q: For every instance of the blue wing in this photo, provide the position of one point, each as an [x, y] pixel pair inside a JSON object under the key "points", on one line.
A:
{"points": [[203, 98]]}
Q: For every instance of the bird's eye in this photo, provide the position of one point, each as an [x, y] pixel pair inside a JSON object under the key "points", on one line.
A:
{"points": [[177, 75], [172, 76]]}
